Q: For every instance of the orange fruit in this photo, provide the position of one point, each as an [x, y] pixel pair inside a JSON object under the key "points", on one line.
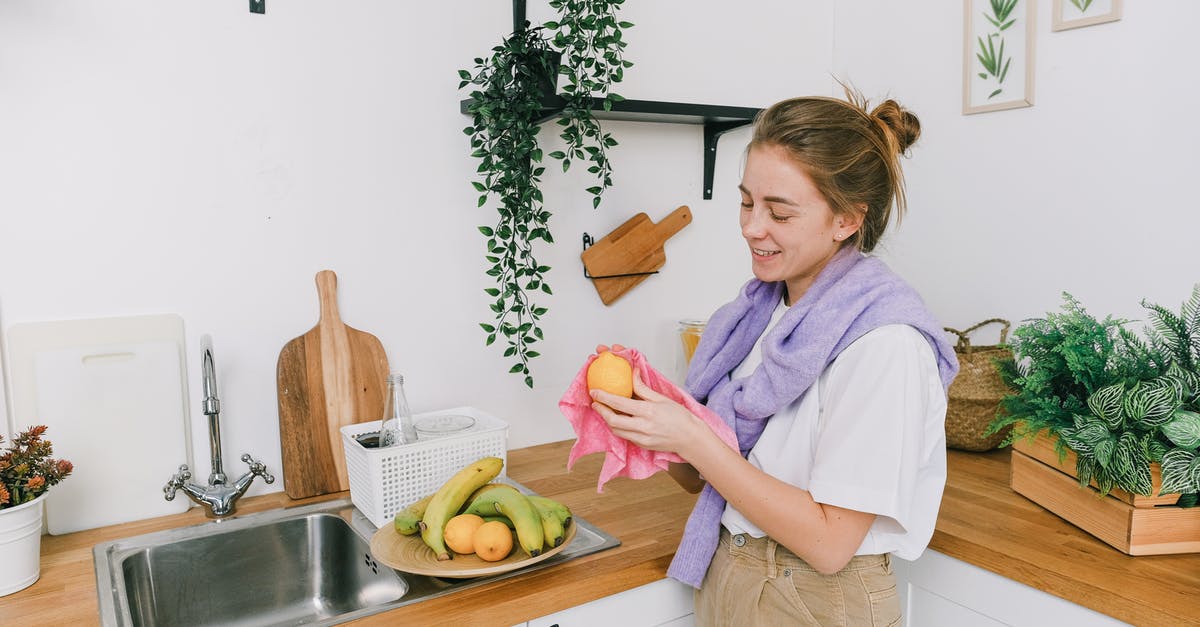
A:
{"points": [[460, 533], [611, 373], [493, 541]]}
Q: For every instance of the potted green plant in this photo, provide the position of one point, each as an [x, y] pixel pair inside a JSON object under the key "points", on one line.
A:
{"points": [[1119, 400], [26, 472], [512, 90]]}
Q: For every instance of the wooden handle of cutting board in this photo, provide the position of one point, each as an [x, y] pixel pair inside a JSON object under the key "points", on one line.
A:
{"points": [[673, 223], [336, 368]]}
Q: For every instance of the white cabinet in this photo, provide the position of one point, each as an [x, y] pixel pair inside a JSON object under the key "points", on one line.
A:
{"points": [[935, 591], [663, 603], [940, 591]]}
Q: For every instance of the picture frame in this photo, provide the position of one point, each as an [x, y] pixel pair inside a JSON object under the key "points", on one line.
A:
{"points": [[998, 54], [1067, 14]]}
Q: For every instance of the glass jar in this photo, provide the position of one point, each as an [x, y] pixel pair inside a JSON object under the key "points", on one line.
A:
{"points": [[690, 330]]}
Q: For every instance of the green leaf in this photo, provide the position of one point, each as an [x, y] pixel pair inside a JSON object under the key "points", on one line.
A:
{"points": [[1088, 432], [1104, 451], [1180, 472], [487, 327], [1130, 466], [1106, 403], [1183, 429], [487, 230]]}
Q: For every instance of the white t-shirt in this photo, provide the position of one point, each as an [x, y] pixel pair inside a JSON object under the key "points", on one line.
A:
{"points": [[869, 436]]}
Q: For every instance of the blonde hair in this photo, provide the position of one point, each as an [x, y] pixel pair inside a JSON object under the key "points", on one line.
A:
{"points": [[851, 152]]}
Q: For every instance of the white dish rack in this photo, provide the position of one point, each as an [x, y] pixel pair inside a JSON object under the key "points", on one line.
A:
{"points": [[384, 481]]}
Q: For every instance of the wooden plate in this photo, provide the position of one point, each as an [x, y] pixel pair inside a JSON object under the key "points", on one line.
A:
{"points": [[409, 554]]}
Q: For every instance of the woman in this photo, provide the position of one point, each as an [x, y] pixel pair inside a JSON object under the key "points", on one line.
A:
{"points": [[831, 371]]}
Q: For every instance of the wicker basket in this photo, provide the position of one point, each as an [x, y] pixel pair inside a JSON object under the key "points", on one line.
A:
{"points": [[974, 396]]}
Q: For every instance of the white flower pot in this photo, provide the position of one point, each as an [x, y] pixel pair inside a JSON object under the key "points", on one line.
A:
{"points": [[20, 545]]}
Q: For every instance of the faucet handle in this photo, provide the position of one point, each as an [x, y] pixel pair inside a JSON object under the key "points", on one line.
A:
{"points": [[176, 482], [258, 468]]}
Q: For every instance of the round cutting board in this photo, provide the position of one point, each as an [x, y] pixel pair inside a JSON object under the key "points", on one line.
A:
{"points": [[409, 554]]}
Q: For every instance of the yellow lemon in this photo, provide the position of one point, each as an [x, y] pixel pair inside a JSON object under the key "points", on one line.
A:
{"points": [[611, 373], [493, 541], [460, 533]]}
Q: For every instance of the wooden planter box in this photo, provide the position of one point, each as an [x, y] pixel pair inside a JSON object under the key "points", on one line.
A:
{"points": [[1133, 524]]}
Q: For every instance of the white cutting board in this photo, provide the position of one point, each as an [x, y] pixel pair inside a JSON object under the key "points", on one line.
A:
{"points": [[113, 392]]}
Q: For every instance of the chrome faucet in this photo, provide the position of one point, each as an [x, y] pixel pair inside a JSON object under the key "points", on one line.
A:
{"points": [[219, 498]]}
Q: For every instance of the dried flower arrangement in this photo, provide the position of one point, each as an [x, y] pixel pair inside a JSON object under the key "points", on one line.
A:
{"points": [[26, 468]]}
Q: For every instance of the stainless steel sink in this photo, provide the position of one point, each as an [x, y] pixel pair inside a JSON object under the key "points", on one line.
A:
{"points": [[299, 566]]}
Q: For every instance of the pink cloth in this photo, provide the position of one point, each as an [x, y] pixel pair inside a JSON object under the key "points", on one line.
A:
{"points": [[623, 458]]}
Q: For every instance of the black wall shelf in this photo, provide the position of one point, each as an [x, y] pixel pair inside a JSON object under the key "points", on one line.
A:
{"points": [[716, 119]]}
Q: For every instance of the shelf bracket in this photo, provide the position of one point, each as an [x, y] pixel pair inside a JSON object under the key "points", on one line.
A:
{"points": [[713, 132]]}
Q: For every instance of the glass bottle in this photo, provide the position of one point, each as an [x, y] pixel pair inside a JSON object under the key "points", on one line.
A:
{"points": [[397, 417]]}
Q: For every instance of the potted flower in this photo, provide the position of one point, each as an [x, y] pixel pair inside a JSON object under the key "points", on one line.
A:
{"points": [[26, 472], [1121, 409]]}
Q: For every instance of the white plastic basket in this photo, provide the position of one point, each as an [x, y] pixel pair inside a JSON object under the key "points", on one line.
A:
{"points": [[384, 481]]}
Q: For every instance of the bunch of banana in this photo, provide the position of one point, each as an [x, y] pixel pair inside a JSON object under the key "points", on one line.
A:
{"points": [[498, 499], [449, 499], [540, 522]]}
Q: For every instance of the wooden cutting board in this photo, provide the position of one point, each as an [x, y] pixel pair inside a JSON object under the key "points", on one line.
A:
{"points": [[634, 248], [328, 378]]}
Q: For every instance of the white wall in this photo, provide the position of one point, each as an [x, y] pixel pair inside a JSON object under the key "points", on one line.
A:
{"points": [[190, 157]]}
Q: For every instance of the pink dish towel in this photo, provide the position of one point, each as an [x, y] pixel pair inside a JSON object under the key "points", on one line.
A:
{"points": [[623, 458]]}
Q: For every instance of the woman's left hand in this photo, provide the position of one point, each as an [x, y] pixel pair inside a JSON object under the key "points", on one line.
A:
{"points": [[649, 419]]}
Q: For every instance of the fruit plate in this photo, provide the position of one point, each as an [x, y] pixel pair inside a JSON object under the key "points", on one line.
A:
{"points": [[409, 554]]}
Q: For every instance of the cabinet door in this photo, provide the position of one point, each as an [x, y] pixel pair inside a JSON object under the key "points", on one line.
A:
{"points": [[940, 591], [664, 602]]}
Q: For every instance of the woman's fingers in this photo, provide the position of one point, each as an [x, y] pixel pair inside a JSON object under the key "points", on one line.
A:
{"points": [[613, 402], [643, 391], [602, 348]]}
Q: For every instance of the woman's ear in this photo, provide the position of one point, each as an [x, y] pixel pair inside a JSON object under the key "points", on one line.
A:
{"points": [[848, 223]]}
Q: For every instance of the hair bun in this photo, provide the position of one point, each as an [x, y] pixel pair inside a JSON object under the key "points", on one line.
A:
{"points": [[900, 123]]}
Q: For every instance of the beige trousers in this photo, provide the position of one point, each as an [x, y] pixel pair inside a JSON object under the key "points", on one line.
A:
{"points": [[755, 581]]}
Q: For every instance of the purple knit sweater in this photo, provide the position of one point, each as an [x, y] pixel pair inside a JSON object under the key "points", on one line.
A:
{"points": [[852, 295]]}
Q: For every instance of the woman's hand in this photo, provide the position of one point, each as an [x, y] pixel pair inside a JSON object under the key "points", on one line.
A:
{"points": [[649, 419]]}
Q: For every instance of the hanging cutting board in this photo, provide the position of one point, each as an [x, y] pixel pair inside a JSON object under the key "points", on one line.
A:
{"points": [[113, 394], [328, 378], [635, 248]]}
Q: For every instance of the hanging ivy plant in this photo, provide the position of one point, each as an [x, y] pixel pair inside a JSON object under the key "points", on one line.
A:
{"points": [[589, 35], [510, 90]]}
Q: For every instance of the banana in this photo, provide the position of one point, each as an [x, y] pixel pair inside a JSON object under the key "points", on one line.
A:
{"points": [[408, 520], [561, 511], [503, 519], [507, 501], [450, 498], [481, 491], [552, 527]]}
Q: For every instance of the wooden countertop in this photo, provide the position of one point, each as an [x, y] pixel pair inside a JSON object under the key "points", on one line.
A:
{"points": [[982, 522]]}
